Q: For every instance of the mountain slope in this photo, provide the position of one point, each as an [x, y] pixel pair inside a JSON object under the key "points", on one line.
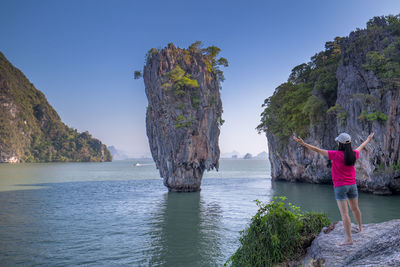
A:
{"points": [[32, 131]]}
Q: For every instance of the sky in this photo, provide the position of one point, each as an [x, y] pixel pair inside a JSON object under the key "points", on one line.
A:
{"points": [[82, 55]]}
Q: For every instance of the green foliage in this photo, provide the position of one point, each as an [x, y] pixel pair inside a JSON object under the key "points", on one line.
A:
{"points": [[195, 101], [213, 64], [180, 118], [37, 133], [373, 116], [277, 233], [179, 80], [220, 121], [196, 47], [222, 62], [396, 166], [182, 122], [182, 85], [137, 74], [166, 85], [180, 106], [151, 54], [384, 62], [339, 111], [368, 99], [303, 100], [284, 114], [314, 108]]}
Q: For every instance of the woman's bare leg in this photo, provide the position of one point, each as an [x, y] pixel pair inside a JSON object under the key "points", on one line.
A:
{"points": [[344, 212], [356, 212]]}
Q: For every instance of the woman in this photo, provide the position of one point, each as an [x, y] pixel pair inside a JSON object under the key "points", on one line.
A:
{"points": [[344, 178]]}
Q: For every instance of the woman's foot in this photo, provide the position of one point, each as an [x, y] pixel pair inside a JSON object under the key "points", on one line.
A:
{"points": [[345, 243], [357, 229]]}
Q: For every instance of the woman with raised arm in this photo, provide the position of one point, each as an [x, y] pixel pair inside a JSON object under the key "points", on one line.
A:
{"points": [[344, 178]]}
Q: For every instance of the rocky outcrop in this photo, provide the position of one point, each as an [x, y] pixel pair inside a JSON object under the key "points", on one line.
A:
{"points": [[32, 131], [183, 115], [367, 100], [377, 245]]}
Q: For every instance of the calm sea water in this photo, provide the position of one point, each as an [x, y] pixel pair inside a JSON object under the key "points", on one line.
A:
{"points": [[115, 214]]}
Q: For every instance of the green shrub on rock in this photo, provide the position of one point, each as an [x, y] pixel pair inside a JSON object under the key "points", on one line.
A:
{"points": [[277, 233]]}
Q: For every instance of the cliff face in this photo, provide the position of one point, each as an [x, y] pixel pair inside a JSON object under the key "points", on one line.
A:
{"points": [[32, 131], [183, 115], [366, 100]]}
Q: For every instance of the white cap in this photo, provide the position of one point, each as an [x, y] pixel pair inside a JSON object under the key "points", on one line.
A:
{"points": [[343, 138]]}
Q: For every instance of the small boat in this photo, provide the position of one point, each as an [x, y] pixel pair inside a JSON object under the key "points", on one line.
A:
{"points": [[137, 164]]}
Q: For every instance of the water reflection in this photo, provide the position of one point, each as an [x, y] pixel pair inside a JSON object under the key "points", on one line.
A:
{"points": [[320, 198], [185, 231]]}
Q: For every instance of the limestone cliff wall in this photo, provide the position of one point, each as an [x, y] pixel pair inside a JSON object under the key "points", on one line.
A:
{"points": [[182, 120], [360, 91]]}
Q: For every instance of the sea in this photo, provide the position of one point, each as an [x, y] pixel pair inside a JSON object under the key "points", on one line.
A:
{"points": [[120, 213]]}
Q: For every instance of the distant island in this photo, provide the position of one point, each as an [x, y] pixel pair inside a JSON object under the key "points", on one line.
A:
{"points": [[248, 156], [236, 155], [117, 154], [32, 131], [263, 155]]}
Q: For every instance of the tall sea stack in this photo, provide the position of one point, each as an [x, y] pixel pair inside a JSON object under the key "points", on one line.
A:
{"points": [[184, 113]]}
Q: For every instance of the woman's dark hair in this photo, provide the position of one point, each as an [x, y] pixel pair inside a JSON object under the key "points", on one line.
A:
{"points": [[349, 155]]}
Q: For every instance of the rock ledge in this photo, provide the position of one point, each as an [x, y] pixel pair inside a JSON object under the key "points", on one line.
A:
{"points": [[377, 245]]}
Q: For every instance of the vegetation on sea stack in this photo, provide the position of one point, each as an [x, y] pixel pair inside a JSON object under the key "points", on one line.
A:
{"points": [[278, 232], [182, 84]]}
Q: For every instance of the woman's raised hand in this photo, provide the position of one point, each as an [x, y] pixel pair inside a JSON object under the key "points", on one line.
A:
{"points": [[370, 136], [299, 140]]}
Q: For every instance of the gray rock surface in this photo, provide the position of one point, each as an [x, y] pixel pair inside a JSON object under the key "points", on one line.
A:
{"points": [[358, 90], [182, 129], [377, 245]]}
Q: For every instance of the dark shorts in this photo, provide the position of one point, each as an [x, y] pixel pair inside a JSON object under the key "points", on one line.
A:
{"points": [[346, 192]]}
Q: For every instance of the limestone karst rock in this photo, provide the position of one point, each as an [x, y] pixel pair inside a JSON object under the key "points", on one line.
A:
{"points": [[352, 86], [183, 114], [32, 131], [377, 245]]}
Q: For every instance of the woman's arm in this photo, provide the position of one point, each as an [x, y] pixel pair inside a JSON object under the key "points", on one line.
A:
{"points": [[311, 147], [365, 142]]}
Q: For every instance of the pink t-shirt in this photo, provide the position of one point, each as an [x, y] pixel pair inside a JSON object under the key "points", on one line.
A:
{"points": [[341, 173]]}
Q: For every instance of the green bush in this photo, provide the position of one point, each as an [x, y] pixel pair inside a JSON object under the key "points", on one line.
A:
{"points": [[182, 122], [373, 116], [179, 80], [278, 232], [339, 111], [396, 166]]}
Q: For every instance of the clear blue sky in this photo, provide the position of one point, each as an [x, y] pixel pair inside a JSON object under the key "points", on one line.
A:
{"points": [[82, 54]]}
